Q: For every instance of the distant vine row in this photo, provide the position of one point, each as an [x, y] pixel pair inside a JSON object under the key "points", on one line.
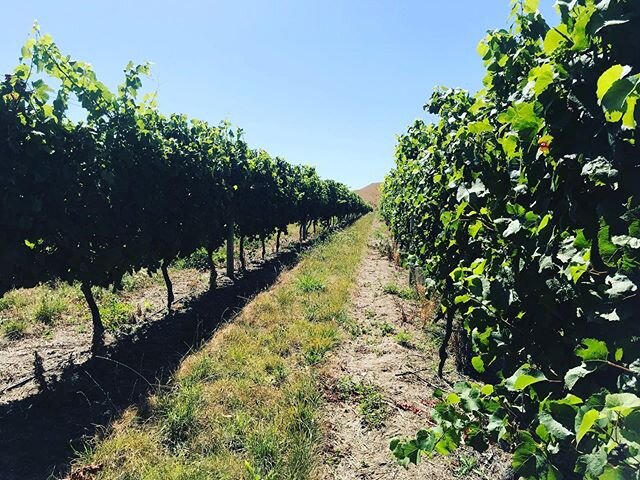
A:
{"points": [[128, 188]]}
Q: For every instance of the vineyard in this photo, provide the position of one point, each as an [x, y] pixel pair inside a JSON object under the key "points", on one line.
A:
{"points": [[176, 304], [520, 209], [128, 188]]}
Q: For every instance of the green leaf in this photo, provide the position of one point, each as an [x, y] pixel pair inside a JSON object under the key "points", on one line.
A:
{"points": [[600, 171], [626, 241], [509, 145], [525, 457], [453, 399], [587, 422], [487, 389], [609, 77], [554, 427], [531, 6], [569, 399], [514, 227], [592, 349], [541, 77], [616, 473], [461, 299], [477, 364], [543, 223], [524, 377], [620, 286], [594, 462], [447, 443], [483, 49], [629, 118], [622, 402], [474, 228], [576, 271], [617, 96], [21, 71], [631, 429], [522, 116], [579, 34], [480, 127], [576, 373], [554, 38]]}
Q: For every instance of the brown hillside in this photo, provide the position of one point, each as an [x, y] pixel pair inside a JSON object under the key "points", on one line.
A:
{"points": [[371, 193]]}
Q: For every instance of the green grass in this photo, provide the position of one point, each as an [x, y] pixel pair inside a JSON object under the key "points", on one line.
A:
{"points": [[115, 313], [35, 311], [309, 283], [49, 309], [407, 293], [13, 329], [404, 338], [246, 405]]}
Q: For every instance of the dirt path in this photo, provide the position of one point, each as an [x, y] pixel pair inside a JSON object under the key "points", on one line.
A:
{"points": [[372, 398]]}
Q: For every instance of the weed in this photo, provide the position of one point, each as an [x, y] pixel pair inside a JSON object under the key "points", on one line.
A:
{"points": [[5, 303], [116, 314], [309, 283], [387, 329], [49, 309], [133, 281], [314, 355], [369, 314], [373, 407], [199, 260], [255, 474], [406, 293], [346, 387], [371, 403], [349, 324], [13, 328], [404, 338], [278, 372], [467, 466]]}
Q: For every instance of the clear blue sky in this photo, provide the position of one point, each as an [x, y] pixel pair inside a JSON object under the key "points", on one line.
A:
{"points": [[326, 82]]}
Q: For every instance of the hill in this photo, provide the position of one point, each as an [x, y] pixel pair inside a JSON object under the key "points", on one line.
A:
{"points": [[371, 193]]}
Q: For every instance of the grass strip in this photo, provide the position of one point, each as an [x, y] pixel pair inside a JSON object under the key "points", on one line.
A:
{"points": [[245, 406]]}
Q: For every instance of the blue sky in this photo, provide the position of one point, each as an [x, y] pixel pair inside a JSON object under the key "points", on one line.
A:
{"points": [[329, 83]]}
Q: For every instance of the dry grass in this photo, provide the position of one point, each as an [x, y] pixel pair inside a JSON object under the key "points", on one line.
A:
{"points": [[245, 406]]}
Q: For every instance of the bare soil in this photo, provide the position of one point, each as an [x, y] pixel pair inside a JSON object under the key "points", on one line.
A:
{"points": [[68, 344], [406, 376]]}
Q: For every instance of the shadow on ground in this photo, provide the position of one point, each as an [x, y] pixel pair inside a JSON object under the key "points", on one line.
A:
{"points": [[38, 435]]}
